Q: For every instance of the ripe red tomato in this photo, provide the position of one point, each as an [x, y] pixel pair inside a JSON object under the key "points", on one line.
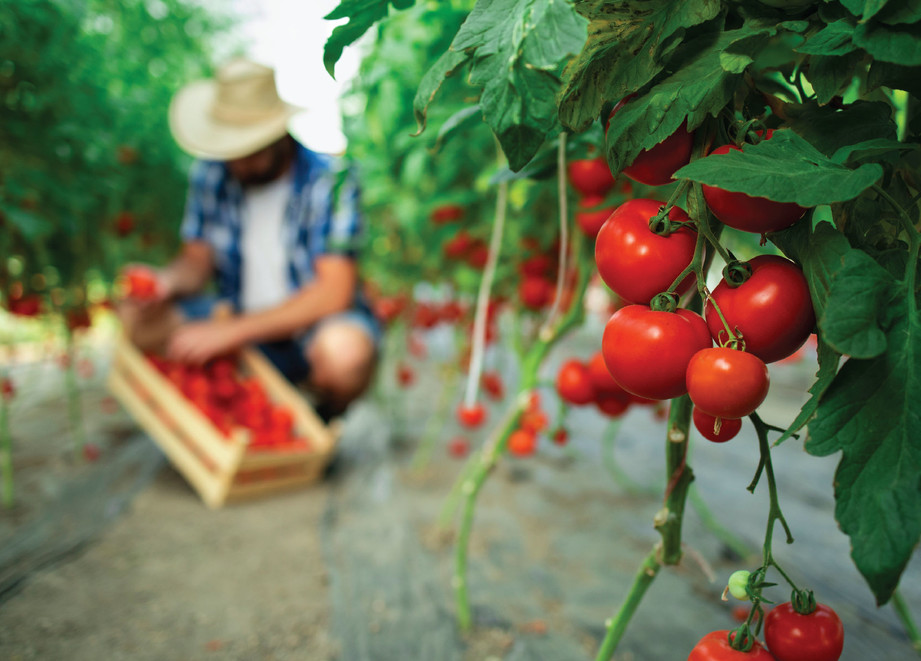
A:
{"points": [[706, 425], [561, 436], [637, 263], [791, 636], [590, 176], [656, 165], [492, 384], [747, 213], [590, 222], [772, 309], [611, 404], [405, 375], [574, 383], [727, 383], [534, 420], [124, 223], [471, 417], [478, 255], [535, 292], [537, 265], [522, 442], [446, 213], [77, 318], [458, 245], [25, 305], [647, 351], [715, 647], [141, 283], [459, 447], [7, 389]]}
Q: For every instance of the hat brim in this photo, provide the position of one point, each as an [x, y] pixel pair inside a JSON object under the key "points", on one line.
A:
{"points": [[203, 137]]}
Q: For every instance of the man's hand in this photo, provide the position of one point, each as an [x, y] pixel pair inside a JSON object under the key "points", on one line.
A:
{"points": [[198, 342]]}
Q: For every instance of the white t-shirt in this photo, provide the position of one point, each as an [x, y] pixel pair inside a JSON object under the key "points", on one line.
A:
{"points": [[265, 278]]}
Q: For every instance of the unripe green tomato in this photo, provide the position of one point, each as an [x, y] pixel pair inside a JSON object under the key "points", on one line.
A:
{"points": [[738, 584]]}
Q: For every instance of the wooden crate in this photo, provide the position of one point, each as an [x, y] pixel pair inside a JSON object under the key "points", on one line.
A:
{"points": [[221, 469]]}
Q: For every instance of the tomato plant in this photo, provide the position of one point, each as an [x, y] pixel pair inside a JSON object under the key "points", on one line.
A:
{"points": [[656, 165], [715, 646], [718, 430], [635, 262], [794, 636], [591, 177]]}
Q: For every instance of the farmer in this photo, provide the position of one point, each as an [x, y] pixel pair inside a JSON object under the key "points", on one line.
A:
{"points": [[275, 226]]}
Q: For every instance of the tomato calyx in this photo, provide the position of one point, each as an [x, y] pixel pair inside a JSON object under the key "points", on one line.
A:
{"points": [[742, 639], [662, 225], [803, 601], [667, 301], [737, 273]]}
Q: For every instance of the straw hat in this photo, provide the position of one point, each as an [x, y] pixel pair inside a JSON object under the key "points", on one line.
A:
{"points": [[233, 115]]}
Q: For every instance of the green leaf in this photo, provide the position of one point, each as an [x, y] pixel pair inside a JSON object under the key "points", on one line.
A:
{"points": [[900, 12], [785, 168], [628, 45], [518, 49], [820, 251], [830, 74], [834, 39], [865, 9], [870, 414], [898, 44], [31, 226], [449, 62], [828, 129], [455, 124], [894, 76], [870, 149], [856, 307], [362, 14], [828, 367]]}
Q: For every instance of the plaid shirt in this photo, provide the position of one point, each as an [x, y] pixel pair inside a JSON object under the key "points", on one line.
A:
{"points": [[321, 218]]}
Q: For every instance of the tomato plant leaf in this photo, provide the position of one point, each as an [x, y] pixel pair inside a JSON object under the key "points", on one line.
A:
{"points": [[362, 14], [898, 44], [785, 168], [829, 74], [819, 251], [894, 76], [828, 366], [870, 149], [449, 62], [30, 225], [627, 47], [856, 307], [865, 9], [834, 39], [828, 130], [869, 413]]}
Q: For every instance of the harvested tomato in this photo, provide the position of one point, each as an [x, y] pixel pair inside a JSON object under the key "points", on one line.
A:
{"points": [[656, 165], [635, 262], [718, 430], [141, 283], [772, 309], [715, 647], [471, 416], [590, 176], [591, 215], [574, 383], [727, 383], [792, 636], [647, 351], [747, 213]]}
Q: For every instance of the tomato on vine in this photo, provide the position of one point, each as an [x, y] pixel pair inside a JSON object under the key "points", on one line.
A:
{"points": [[727, 383], [590, 176], [635, 262], [718, 430], [656, 165], [794, 636], [715, 647], [772, 309], [574, 383], [647, 351], [589, 218], [747, 213], [522, 442], [471, 416]]}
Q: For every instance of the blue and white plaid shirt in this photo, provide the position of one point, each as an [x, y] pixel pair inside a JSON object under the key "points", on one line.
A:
{"points": [[321, 218]]}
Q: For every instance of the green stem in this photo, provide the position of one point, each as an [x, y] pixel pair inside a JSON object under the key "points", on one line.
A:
{"points": [[6, 454], [669, 519], [617, 625], [774, 512], [901, 609]]}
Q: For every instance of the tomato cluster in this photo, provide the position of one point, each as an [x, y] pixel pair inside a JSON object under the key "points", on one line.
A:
{"points": [[581, 383], [522, 442], [229, 400]]}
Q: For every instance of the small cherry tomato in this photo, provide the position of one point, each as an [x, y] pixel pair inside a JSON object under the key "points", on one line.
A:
{"points": [[522, 442], [791, 636], [471, 416], [635, 262], [727, 383]]}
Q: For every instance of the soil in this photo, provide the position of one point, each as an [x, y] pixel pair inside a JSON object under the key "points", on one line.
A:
{"points": [[119, 559]]}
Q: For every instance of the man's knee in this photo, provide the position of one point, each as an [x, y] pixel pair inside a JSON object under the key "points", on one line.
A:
{"points": [[342, 358]]}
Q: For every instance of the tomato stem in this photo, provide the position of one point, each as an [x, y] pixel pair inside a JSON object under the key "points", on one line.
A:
{"points": [[564, 234], [904, 614], [617, 625]]}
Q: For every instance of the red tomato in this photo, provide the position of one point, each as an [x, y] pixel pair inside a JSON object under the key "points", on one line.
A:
{"points": [[727, 383], [656, 165], [791, 636], [612, 405], [25, 305], [459, 447], [282, 419], [747, 213], [77, 318], [647, 351], [492, 384], [388, 308], [590, 176], [574, 383], [537, 265], [561, 436], [141, 283], [772, 309], [590, 222], [602, 381], [446, 213], [715, 647], [706, 424], [405, 375], [124, 224], [534, 421], [425, 316], [535, 292], [522, 442], [471, 417], [458, 245], [637, 263], [478, 255], [7, 389]]}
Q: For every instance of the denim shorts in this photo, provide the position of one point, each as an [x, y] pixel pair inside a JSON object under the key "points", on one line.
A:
{"points": [[289, 356]]}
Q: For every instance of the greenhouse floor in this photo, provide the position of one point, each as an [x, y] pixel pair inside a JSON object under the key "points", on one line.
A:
{"points": [[119, 559]]}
